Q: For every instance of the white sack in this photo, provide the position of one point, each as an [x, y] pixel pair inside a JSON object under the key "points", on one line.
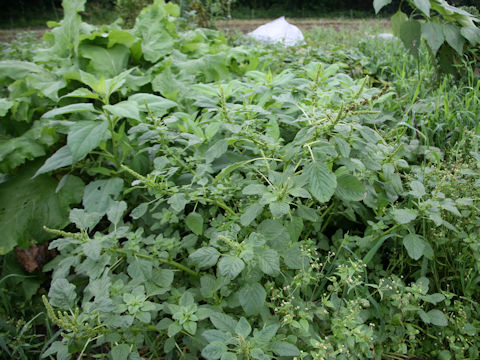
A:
{"points": [[278, 31]]}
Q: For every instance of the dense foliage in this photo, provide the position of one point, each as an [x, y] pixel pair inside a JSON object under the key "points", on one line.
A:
{"points": [[449, 32], [205, 200]]}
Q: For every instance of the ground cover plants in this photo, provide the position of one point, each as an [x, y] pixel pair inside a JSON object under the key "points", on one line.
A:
{"points": [[201, 200]]}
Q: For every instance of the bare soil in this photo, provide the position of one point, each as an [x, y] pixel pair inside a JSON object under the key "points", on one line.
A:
{"points": [[244, 26]]}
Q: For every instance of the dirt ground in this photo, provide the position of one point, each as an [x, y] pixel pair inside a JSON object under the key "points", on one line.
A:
{"points": [[304, 24], [7, 35]]}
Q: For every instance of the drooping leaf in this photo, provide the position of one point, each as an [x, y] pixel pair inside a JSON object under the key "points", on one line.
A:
{"points": [[414, 245], [61, 158], [397, 21], [423, 6], [433, 33], [322, 182], [379, 4], [410, 33], [194, 221], [453, 37]]}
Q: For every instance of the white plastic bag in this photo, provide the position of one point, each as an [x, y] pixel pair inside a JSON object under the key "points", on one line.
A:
{"points": [[278, 31]]}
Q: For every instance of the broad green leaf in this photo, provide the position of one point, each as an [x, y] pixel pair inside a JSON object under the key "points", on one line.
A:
{"points": [[278, 209], [194, 221], [99, 195], [410, 33], [434, 298], [62, 294], [275, 233], [119, 36], [404, 216], [349, 188], [163, 277], [214, 350], [16, 70], [423, 6], [397, 21], [379, 4], [84, 136], [205, 257], [61, 158], [230, 266], [252, 298], [74, 108], [268, 261], [105, 62], [115, 211], [158, 105], [216, 335], [219, 148], [322, 182], [433, 33], [453, 37], [178, 202], [251, 213], [120, 352], [307, 213], [283, 348], [437, 317], [139, 211], [294, 258], [223, 322], [150, 27], [84, 220], [190, 327], [414, 245], [82, 93], [92, 249], [124, 109], [168, 85], [228, 356], [5, 105], [243, 328], [254, 189], [264, 336], [26, 205], [471, 33], [418, 190]]}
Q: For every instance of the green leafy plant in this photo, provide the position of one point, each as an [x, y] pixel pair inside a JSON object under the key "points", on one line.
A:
{"points": [[449, 31], [219, 202]]}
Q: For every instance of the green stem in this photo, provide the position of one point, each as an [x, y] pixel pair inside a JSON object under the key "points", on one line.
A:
{"points": [[165, 261]]}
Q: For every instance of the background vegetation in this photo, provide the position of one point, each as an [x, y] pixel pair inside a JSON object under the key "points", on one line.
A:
{"points": [[167, 192]]}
